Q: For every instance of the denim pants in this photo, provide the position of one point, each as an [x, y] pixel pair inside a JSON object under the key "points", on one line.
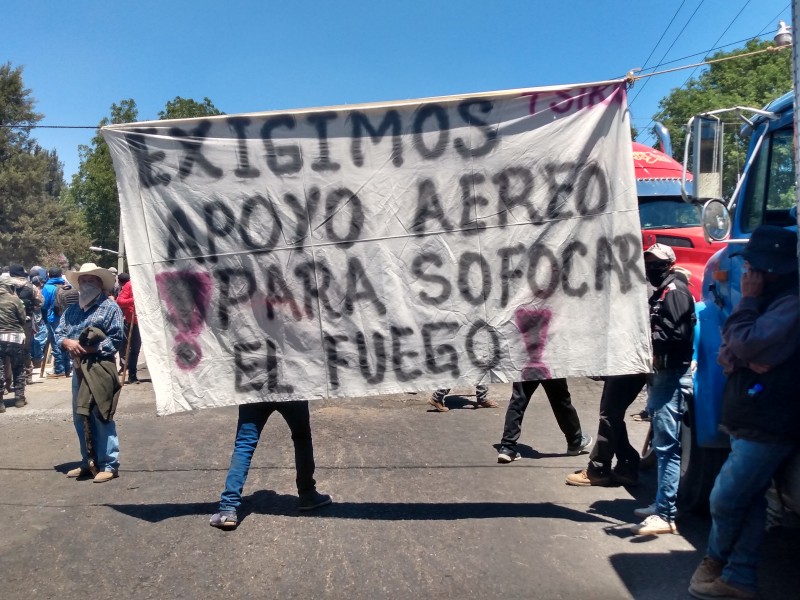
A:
{"points": [[62, 362], [619, 392], [104, 434], [739, 508], [39, 340], [560, 401], [252, 418], [666, 390]]}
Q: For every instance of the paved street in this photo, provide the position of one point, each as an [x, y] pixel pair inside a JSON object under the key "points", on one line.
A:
{"points": [[422, 509]]}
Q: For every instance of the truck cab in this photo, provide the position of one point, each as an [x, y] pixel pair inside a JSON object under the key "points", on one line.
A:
{"points": [[765, 194]]}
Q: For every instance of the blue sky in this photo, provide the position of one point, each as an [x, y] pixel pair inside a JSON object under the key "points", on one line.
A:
{"points": [[247, 56]]}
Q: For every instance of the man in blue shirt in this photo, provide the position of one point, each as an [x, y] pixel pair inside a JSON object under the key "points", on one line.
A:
{"points": [[94, 309], [61, 361]]}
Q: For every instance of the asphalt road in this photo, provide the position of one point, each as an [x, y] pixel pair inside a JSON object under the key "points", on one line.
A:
{"points": [[421, 509]]}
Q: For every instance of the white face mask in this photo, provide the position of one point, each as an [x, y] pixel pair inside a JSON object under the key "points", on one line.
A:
{"points": [[87, 293]]}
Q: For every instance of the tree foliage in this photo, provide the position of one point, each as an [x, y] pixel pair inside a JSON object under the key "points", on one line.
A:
{"points": [[94, 187], [752, 81], [34, 223], [186, 108], [93, 190]]}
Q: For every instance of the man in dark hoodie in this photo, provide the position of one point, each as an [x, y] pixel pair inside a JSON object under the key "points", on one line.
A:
{"points": [[760, 354]]}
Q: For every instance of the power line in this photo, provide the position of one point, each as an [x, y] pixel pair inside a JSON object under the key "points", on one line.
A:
{"points": [[50, 126], [677, 37], [663, 33]]}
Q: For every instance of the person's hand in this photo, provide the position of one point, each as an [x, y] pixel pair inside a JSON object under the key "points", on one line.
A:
{"points": [[760, 369], [73, 347], [752, 284]]}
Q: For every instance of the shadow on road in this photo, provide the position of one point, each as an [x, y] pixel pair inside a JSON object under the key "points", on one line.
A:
{"points": [[270, 503]]}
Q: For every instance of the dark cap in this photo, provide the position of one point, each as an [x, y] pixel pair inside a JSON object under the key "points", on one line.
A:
{"points": [[771, 249], [17, 271]]}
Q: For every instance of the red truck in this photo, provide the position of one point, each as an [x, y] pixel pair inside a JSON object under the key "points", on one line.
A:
{"points": [[665, 217]]}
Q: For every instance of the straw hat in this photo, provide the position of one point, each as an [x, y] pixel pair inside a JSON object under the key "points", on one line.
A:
{"points": [[92, 269]]}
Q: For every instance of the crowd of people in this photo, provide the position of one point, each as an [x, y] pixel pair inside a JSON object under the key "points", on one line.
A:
{"points": [[32, 303], [87, 318]]}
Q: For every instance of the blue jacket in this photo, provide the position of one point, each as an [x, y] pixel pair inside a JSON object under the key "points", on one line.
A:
{"points": [[49, 296]]}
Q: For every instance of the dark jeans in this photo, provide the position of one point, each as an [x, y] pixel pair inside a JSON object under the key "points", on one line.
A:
{"points": [[136, 346], [252, 418], [15, 354], [612, 435], [560, 401]]}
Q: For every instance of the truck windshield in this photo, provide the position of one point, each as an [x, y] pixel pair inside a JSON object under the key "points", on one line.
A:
{"points": [[770, 192], [671, 213]]}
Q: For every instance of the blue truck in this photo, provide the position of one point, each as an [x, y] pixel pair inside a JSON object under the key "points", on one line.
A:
{"points": [[765, 193]]}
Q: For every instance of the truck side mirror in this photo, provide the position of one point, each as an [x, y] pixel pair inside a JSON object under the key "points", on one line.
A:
{"points": [[716, 220], [707, 159]]}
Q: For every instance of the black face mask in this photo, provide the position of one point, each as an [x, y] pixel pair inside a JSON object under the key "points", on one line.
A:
{"points": [[656, 272]]}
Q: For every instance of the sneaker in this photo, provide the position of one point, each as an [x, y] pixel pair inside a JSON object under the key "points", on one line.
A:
{"points": [[438, 404], [487, 404], [707, 571], [647, 511], [586, 478], [313, 500], [55, 375], [20, 403], [654, 525], [719, 588], [78, 472], [506, 455], [581, 448], [132, 380], [104, 476], [225, 519], [642, 416]]}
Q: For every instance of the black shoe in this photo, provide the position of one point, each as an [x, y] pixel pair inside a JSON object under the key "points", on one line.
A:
{"points": [[313, 500], [507, 455], [133, 379], [626, 473]]}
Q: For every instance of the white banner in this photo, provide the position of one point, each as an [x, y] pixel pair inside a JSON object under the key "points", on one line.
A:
{"points": [[371, 249]]}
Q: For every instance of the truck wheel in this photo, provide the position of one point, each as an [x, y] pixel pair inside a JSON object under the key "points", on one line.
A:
{"points": [[699, 469]]}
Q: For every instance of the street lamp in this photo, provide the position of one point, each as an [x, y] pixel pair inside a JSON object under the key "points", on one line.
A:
{"points": [[99, 249], [121, 255]]}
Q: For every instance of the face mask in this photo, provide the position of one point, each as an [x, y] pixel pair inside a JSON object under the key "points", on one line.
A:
{"points": [[656, 272], [87, 293]]}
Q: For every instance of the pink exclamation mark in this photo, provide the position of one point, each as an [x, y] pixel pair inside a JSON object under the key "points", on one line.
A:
{"points": [[187, 296], [533, 325]]}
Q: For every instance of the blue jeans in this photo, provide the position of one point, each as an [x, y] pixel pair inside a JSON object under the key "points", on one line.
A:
{"points": [[39, 340], [666, 390], [252, 418], [62, 363], [739, 508], [104, 435]]}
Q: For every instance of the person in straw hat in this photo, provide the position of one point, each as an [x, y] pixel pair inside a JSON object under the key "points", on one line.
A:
{"points": [[91, 332]]}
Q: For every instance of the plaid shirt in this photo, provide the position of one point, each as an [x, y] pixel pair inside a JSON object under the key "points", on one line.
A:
{"points": [[103, 314]]}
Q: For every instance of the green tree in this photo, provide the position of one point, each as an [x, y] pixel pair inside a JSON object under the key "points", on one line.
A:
{"points": [[186, 108], [34, 223], [93, 190], [746, 81]]}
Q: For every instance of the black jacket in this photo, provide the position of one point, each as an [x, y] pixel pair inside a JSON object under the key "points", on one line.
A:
{"points": [[672, 323]]}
